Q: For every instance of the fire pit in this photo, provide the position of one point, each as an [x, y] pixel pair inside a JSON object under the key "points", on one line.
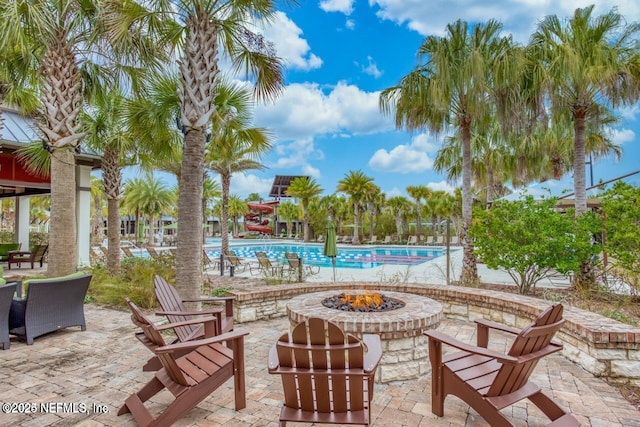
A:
{"points": [[366, 302], [405, 349]]}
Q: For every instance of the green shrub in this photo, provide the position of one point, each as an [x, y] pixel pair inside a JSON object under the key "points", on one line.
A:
{"points": [[530, 239], [135, 281]]}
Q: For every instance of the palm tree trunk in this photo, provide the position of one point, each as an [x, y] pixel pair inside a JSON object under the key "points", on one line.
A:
{"points": [[356, 224], [490, 187], [62, 229], [418, 218], [305, 214], [579, 179], [585, 277], [113, 236], [189, 247], [112, 179], [469, 267], [224, 221]]}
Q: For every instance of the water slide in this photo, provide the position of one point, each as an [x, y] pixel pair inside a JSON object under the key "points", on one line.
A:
{"points": [[253, 220]]}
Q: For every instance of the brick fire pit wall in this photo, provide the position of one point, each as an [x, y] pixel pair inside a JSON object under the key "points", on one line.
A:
{"points": [[604, 347]]}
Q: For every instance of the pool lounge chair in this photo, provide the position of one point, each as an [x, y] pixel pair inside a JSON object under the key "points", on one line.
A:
{"points": [[373, 240], [265, 266], [387, 240], [234, 261], [413, 240], [295, 264], [429, 240]]}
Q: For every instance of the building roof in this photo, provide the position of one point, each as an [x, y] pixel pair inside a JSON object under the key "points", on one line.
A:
{"points": [[19, 130], [281, 183]]}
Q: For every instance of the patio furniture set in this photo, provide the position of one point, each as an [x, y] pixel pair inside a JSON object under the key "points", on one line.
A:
{"points": [[12, 255], [327, 374]]}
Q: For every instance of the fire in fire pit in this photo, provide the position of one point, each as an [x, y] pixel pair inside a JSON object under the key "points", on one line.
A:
{"points": [[366, 302]]}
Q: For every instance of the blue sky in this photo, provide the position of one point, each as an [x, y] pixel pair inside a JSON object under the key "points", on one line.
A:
{"points": [[342, 53]]}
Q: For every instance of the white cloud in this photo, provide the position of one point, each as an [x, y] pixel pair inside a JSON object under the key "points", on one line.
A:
{"points": [[296, 153], [630, 112], [519, 17], [350, 24], [290, 46], [394, 192], [441, 186], [620, 136], [371, 68], [304, 110], [311, 171], [410, 158], [243, 184], [343, 6]]}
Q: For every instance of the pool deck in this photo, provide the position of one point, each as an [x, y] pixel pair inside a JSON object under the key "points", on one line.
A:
{"points": [[103, 366], [432, 271]]}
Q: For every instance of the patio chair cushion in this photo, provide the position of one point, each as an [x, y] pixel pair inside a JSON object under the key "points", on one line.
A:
{"points": [[25, 283], [6, 247]]}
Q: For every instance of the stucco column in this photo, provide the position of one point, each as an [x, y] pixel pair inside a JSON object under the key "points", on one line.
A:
{"points": [[21, 230], [83, 213]]}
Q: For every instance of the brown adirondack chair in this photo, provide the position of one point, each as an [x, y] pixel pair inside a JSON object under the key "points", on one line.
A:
{"points": [[488, 380], [328, 379], [173, 307], [190, 378]]}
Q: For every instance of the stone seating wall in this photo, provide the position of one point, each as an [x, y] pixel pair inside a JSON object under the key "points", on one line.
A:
{"points": [[602, 346]]}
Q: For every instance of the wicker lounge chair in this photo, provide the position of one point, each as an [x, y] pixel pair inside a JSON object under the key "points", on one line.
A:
{"points": [[490, 381], [6, 296], [190, 378], [328, 378], [49, 305]]}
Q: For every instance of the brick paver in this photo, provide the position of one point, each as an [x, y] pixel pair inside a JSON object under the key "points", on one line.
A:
{"points": [[99, 368]]}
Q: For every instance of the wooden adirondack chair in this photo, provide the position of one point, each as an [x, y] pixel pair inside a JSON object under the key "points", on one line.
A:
{"points": [[173, 307], [191, 377], [490, 381], [328, 379]]}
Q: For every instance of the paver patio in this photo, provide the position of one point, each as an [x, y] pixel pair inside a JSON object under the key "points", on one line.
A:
{"points": [[102, 367]]}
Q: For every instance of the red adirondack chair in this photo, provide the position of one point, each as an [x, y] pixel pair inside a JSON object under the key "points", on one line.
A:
{"points": [[190, 378], [490, 381], [327, 378]]}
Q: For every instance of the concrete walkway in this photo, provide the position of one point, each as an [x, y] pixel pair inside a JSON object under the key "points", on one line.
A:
{"points": [[99, 368]]}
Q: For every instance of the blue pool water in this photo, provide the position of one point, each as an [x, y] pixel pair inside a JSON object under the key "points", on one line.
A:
{"points": [[347, 257]]}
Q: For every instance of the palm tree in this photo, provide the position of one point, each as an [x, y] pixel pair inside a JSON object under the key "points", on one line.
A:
{"points": [[589, 61], [237, 209], [304, 188], [418, 192], [74, 53], [375, 200], [234, 145], [399, 206], [210, 192], [204, 30], [97, 222], [452, 88], [106, 129], [288, 212], [356, 185]]}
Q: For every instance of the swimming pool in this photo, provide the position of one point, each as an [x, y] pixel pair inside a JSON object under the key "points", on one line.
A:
{"points": [[355, 257]]}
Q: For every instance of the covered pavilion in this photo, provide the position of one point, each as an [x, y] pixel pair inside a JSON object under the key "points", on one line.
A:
{"points": [[18, 131]]}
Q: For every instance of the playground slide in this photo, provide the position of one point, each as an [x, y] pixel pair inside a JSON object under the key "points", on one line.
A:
{"points": [[254, 222]]}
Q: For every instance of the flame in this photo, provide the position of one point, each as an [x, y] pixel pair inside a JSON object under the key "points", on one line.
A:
{"points": [[363, 300]]}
